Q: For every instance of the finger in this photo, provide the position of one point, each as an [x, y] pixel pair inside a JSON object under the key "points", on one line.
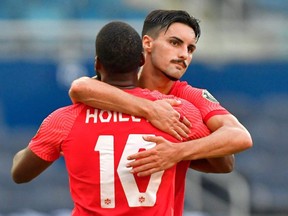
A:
{"points": [[134, 164], [153, 139], [137, 156], [176, 135], [186, 122], [182, 131], [148, 172], [140, 165], [140, 155], [183, 124]]}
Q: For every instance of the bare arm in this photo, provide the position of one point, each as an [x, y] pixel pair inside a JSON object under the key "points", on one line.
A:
{"points": [[103, 96], [26, 166], [213, 153], [214, 165]]}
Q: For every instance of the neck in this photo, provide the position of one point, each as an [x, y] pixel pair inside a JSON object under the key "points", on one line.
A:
{"points": [[124, 86], [153, 79], [122, 81]]}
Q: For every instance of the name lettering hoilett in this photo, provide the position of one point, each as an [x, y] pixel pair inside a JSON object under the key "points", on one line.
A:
{"points": [[108, 116]]}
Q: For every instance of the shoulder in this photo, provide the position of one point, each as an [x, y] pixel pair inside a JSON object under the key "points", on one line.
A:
{"points": [[54, 129], [182, 88], [200, 97], [67, 111], [62, 117]]}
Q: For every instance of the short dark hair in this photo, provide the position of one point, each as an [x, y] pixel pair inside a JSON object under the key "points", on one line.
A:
{"points": [[119, 47], [161, 19]]}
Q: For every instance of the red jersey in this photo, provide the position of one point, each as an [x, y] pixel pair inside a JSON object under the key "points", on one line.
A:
{"points": [[208, 107], [200, 98], [95, 144]]}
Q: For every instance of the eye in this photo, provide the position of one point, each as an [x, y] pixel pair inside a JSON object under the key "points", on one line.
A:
{"points": [[174, 42], [191, 49]]}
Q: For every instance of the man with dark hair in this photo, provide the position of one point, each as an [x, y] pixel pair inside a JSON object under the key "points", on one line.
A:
{"points": [[169, 42], [95, 143], [162, 19]]}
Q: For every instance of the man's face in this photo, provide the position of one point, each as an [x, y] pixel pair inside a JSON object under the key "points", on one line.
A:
{"points": [[172, 51]]}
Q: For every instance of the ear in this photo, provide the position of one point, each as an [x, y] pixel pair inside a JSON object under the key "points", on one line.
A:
{"points": [[97, 64], [147, 43], [142, 60]]}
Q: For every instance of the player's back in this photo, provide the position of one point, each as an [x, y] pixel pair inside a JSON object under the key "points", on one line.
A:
{"points": [[96, 153]]}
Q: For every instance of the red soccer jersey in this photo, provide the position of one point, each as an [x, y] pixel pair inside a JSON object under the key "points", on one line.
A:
{"points": [[95, 144], [200, 98], [208, 106]]}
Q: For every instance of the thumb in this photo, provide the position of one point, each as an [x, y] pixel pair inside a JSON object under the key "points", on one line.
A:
{"points": [[150, 138]]}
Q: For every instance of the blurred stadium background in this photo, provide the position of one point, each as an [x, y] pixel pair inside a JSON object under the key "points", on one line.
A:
{"points": [[242, 59]]}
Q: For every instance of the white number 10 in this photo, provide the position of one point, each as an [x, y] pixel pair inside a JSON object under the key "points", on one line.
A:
{"points": [[105, 145]]}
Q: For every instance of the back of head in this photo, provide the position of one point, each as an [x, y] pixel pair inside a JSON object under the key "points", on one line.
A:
{"points": [[119, 47], [158, 20]]}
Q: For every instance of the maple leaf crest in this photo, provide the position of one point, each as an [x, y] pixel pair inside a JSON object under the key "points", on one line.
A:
{"points": [[141, 199], [107, 201]]}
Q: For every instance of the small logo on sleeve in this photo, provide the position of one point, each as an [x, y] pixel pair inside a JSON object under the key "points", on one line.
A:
{"points": [[208, 96]]}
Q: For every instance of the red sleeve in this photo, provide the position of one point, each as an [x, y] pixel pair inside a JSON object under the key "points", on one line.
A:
{"points": [[53, 131], [201, 98]]}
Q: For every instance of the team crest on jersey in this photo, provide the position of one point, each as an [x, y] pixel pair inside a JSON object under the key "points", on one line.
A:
{"points": [[208, 96]]}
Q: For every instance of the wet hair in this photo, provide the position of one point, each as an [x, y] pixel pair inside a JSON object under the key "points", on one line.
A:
{"points": [[158, 20], [119, 47]]}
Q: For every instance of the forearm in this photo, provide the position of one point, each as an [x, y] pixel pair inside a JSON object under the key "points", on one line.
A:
{"points": [[214, 165], [166, 154], [103, 96], [223, 142], [212, 156], [159, 113]]}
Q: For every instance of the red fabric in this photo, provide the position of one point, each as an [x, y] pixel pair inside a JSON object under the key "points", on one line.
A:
{"points": [[195, 96], [207, 109], [96, 142]]}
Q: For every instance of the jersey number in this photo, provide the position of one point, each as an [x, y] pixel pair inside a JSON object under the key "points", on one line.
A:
{"points": [[135, 198]]}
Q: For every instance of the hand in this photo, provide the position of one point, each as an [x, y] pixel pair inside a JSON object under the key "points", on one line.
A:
{"points": [[167, 119], [163, 156]]}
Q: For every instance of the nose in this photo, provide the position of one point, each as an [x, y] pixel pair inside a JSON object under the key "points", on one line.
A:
{"points": [[183, 53]]}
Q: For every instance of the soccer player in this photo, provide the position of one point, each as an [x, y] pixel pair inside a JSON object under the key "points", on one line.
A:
{"points": [[95, 143], [169, 40]]}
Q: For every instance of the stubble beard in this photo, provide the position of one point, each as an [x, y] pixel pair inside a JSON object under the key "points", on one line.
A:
{"points": [[169, 77]]}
